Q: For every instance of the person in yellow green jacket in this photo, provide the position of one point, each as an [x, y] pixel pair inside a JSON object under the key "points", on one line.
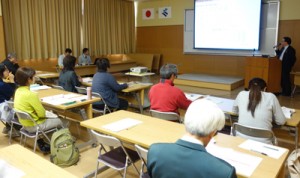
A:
{"points": [[29, 102]]}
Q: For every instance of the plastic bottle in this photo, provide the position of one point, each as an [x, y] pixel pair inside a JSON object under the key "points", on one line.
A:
{"points": [[89, 93]]}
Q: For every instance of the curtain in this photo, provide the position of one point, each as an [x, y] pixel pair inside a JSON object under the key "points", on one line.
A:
{"points": [[108, 26], [42, 28]]}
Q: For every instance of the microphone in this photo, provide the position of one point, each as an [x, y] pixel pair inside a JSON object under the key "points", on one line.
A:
{"points": [[275, 46]]}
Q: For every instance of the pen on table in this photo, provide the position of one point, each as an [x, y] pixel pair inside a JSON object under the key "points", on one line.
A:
{"points": [[271, 148], [258, 152]]}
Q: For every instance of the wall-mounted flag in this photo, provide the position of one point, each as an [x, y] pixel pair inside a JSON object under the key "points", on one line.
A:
{"points": [[148, 13], [165, 12]]}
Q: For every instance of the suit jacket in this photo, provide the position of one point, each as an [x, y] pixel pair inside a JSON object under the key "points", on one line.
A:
{"points": [[185, 160], [288, 59]]}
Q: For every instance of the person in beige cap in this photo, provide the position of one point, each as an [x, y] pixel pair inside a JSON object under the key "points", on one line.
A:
{"points": [[11, 62]]}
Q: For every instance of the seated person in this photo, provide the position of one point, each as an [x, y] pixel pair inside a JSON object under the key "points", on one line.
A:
{"points": [[107, 86], [67, 77], [188, 156], [7, 90], [164, 96], [11, 63], [29, 102], [257, 108], [85, 58], [61, 57]]}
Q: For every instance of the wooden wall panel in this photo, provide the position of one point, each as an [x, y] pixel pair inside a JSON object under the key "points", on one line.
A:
{"points": [[168, 40], [2, 41]]}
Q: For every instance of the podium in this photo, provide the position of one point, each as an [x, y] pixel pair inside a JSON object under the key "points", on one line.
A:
{"points": [[268, 69]]}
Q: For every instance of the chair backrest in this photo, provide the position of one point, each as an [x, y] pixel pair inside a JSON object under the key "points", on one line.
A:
{"points": [[81, 90], [253, 132], [25, 116], [170, 116], [10, 104], [142, 153], [106, 108], [58, 87], [106, 140], [38, 80]]}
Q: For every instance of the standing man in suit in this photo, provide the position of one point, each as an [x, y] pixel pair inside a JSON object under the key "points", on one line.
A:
{"points": [[287, 54], [188, 156]]}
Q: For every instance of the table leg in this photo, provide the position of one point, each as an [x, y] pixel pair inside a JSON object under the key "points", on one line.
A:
{"points": [[92, 140], [138, 98], [296, 137]]}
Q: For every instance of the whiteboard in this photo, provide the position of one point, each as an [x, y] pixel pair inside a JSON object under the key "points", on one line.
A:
{"points": [[268, 34]]}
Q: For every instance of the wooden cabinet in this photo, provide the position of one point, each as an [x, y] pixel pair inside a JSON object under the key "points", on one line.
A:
{"points": [[268, 69]]}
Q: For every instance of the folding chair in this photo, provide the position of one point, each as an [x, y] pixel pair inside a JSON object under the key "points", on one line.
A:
{"points": [[38, 80], [118, 157], [81, 90], [106, 108], [254, 132], [14, 121], [169, 116], [58, 87], [35, 135], [143, 156]]}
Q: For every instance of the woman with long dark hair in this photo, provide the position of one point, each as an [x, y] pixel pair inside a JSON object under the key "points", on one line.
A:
{"points": [[67, 77], [258, 108]]}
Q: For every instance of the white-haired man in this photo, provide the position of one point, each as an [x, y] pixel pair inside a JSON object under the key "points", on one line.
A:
{"points": [[188, 156]]}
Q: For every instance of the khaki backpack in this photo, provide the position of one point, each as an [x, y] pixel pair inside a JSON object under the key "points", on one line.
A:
{"points": [[63, 150]]}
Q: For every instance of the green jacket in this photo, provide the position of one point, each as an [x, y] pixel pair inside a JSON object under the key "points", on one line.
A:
{"points": [[29, 102]]}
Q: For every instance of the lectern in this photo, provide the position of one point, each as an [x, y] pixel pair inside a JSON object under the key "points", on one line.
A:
{"points": [[268, 69]]}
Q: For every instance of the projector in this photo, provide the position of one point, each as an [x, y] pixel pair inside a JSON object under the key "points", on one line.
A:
{"points": [[138, 69]]}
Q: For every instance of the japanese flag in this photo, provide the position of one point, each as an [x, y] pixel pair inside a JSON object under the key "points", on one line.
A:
{"points": [[148, 13]]}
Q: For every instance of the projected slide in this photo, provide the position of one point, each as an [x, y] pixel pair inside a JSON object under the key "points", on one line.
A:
{"points": [[227, 24]]}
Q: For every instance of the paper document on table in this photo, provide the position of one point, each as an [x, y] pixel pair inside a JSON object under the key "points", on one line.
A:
{"points": [[59, 99], [87, 79], [265, 149], [288, 112], [46, 74], [213, 99], [192, 96], [244, 164], [9, 171], [122, 124], [38, 87]]}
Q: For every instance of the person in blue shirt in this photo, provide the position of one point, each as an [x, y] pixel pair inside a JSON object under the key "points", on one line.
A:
{"points": [[107, 86], [61, 57], [85, 58]]}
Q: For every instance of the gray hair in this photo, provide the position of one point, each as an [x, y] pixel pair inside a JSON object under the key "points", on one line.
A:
{"points": [[203, 117], [12, 55], [167, 70]]}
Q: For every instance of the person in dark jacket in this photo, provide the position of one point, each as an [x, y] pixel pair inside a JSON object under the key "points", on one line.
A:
{"points": [[107, 86], [7, 90], [11, 62], [287, 54], [67, 77]]}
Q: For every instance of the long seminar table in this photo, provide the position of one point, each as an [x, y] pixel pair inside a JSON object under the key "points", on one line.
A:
{"points": [[154, 130], [138, 89], [30, 164], [84, 106], [115, 66], [227, 105]]}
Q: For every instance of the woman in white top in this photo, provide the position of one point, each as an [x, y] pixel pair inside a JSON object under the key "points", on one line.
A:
{"points": [[257, 108]]}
